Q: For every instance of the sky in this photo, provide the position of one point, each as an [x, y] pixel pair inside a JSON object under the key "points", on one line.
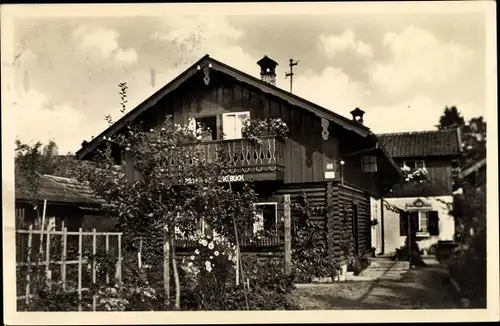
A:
{"points": [[401, 69]]}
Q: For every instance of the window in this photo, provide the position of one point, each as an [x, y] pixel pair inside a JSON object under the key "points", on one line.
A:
{"points": [[232, 124], [209, 123], [423, 221], [369, 163], [202, 229], [420, 164], [414, 164], [266, 217]]}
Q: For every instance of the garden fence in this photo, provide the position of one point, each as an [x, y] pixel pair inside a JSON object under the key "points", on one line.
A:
{"points": [[60, 255]]}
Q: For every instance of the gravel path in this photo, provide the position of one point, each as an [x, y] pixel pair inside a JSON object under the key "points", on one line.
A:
{"points": [[419, 288]]}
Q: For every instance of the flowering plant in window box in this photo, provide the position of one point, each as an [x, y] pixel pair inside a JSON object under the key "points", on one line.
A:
{"points": [[253, 129], [277, 127], [416, 175]]}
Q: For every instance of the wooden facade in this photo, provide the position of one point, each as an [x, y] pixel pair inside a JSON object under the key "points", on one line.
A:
{"points": [[304, 152], [307, 161], [440, 179]]}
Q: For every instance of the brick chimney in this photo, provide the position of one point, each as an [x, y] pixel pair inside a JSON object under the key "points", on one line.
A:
{"points": [[268, 70], [357, 115]]}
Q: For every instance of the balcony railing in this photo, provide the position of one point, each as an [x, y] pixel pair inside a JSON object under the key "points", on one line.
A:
{"points": [[244, 156], [263, 242]]}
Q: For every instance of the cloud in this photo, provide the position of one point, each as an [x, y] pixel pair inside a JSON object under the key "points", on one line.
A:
{"points": [[128, 56], [194, 36], [418, 113], [38, 120], [102, 43], [419, 60], [331, 45], [333, 89], [197, 29]]}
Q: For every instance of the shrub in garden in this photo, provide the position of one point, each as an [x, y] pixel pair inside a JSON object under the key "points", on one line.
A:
{"points": [[209, 280], [178, 187]]}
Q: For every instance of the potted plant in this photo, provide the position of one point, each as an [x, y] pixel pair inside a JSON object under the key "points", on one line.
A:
{"points": [[254, 129], [374, 222], [277, 127]]}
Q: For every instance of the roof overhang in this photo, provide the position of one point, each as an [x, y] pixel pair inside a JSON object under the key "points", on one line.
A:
{"points": [[236, 74]]}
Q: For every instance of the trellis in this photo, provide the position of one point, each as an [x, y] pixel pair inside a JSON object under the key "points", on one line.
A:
{"points": [[43, 245]]}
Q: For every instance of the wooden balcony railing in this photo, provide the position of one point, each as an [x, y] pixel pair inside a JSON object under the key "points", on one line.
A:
{"points": [[263, 242], [244, 157]]}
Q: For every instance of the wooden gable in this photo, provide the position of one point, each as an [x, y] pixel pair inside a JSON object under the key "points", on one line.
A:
{"points": [[211, 88]]}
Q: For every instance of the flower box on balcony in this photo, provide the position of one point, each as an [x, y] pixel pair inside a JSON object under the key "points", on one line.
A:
{"points": [[246, 160]]}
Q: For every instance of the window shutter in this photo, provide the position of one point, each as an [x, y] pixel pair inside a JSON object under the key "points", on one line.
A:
{"points": [[403, 223], [414, 221], [433, 225]]}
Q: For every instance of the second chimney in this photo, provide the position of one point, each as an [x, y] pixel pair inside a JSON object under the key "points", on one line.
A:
{"points": [[357, 115], [268, 70]]}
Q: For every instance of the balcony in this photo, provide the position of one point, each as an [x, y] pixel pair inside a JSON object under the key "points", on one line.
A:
{"points": [[264, 242], [248, 161]]}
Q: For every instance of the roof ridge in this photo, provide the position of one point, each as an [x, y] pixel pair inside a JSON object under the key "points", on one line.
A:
{"points": [[416, 132]]}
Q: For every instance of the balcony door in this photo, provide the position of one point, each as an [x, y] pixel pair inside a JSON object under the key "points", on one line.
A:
{"points": [[232, 124]]}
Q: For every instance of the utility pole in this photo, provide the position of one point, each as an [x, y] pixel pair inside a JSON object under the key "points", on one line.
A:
{"points": [[290, 74]]}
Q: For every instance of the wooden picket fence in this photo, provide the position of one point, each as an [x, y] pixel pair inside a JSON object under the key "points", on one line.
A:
{"points": [[37, 248]]}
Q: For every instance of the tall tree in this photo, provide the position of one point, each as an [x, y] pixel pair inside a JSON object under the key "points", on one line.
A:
{"points": [[474, 140], [30, 163], [451, 118], [473, 133]]}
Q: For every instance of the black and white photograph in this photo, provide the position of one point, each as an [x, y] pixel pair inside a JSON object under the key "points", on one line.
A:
{"points": [[324, 158]]}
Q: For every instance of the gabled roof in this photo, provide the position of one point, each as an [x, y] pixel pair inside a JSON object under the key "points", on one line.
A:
{"points": [[473, 168], [422, 143], [237, 74], [59, 190]]}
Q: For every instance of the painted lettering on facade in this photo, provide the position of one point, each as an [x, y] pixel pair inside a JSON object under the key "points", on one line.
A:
{"points": [[232, 178], [225, 178]]}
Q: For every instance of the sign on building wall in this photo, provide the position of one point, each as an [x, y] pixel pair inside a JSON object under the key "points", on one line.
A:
{"points": [[225, 178]]}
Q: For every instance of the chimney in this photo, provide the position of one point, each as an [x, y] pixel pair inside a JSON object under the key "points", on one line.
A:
{"points": [[268, 70], [357, 115]]}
